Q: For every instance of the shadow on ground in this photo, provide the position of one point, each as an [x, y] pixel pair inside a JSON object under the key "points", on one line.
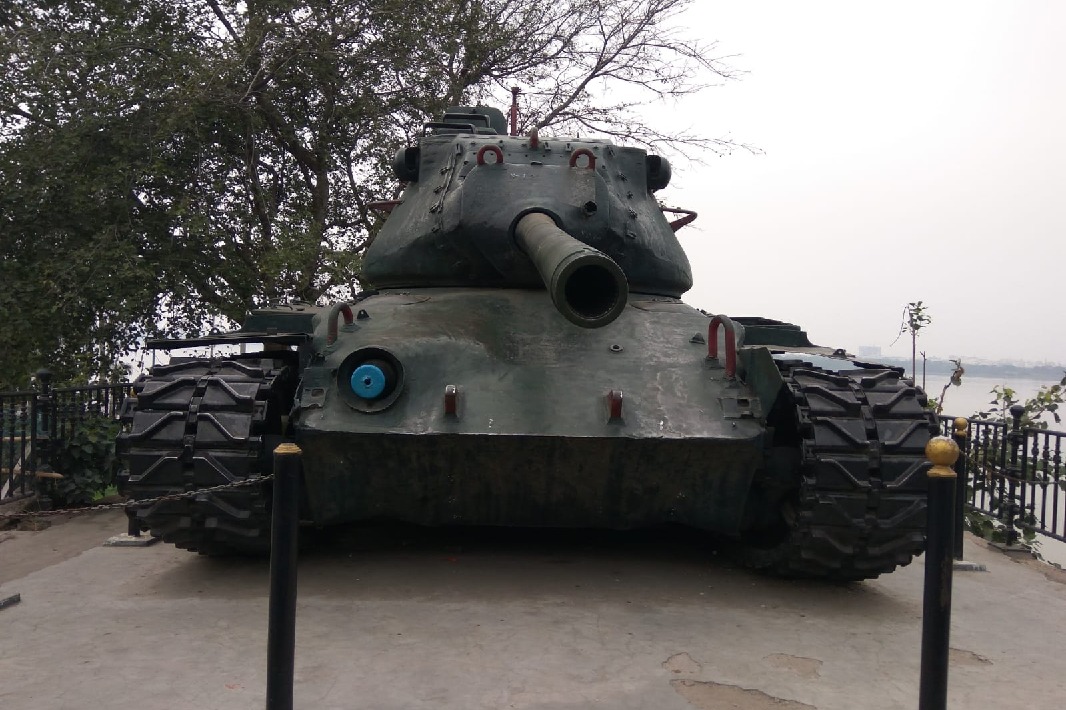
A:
{"points": [[400, 562]]}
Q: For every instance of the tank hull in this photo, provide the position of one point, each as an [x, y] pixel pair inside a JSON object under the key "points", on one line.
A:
{"points": [[532, 440], [493, 410]]}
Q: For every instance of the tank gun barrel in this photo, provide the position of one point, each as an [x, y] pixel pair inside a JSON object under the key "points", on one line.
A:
{"points": [[587, 287]]}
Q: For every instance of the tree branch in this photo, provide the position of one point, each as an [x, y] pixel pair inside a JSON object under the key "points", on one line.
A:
{"points": [[221, 16], [28, 116]]}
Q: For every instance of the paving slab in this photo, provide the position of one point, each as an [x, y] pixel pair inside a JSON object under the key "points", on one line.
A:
{"points": [[402, 618]]}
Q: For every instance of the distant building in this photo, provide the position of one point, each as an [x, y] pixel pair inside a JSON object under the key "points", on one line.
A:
{"points": [[870, 350]]}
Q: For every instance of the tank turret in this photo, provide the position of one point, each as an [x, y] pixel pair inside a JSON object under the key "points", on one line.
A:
{"points": [[468, 187]]}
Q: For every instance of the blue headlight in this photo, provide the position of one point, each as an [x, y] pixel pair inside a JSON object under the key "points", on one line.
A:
{"points": [[368, 381]]}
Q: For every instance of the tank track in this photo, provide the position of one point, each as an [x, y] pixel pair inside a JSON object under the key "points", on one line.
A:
{"points": [[860, 509], [200, 423]]}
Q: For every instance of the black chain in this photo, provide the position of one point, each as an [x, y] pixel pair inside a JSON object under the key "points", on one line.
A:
{"points": [[140, 502]]}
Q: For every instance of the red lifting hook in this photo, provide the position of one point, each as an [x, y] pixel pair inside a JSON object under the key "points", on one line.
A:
{"points": [[334, 312], [730, 344], [489, 149], [585, 152]]}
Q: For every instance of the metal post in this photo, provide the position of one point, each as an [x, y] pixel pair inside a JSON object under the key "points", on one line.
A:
{"points": [[514, 110], [30, 467], [45, 403], [44, 379], [284, 531], [936, 605], [1015, 441], [961, 437], [133, 526]]}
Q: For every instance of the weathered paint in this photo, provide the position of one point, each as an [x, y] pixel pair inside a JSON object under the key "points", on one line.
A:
{"points": [[533, 441], [480, 479], [455, 224]]}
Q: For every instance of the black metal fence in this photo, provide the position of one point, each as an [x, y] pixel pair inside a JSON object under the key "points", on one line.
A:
{"points": [[31, 423], [1016, 475]]}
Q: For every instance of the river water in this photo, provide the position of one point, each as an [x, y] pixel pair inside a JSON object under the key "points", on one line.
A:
{"points": [[974, 394]]}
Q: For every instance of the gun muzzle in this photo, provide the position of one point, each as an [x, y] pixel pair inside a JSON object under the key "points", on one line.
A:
{"points": [[585, 284]]}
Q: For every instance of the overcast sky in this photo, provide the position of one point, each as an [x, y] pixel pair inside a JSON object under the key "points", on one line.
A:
{"points": [[911, 151]]}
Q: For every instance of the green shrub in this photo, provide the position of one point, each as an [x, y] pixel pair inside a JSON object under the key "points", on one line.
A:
{"points": [[86, 458]]}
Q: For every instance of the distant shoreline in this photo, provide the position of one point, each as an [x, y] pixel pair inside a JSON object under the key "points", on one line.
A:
{"points": [[1050, 373]]}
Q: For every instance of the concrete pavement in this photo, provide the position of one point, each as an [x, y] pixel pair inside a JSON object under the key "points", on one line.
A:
{"points": [[393, 618]]}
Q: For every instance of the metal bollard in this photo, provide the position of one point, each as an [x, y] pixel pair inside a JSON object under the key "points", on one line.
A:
{"points": [[133, 526], [284, 532], [961, 435], [936, 606]]}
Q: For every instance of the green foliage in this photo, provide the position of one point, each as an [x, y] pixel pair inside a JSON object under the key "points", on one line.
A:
{"points": [[86, 459], [985, 526], [170, 163], [1045, 403], [915, 318], [84, 104]]}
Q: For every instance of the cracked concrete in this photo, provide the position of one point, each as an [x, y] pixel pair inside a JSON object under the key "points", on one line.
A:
{"points": [[708, 695], [803, 667], [682, 663]]}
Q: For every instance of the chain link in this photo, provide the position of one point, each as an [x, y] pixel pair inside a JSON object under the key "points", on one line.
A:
{"points": [[141, 501]]}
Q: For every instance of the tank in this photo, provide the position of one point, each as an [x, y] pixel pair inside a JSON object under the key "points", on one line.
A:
{"points": [[525, 359]]}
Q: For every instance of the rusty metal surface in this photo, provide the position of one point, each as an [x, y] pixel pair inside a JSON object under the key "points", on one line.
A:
{"points": [[534, 441]]}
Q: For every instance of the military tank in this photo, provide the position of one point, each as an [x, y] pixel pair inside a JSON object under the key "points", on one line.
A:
{"points": [[525, 359]]}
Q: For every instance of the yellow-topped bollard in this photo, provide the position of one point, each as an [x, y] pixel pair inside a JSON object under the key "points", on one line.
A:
{"points": [[961, 435], [284, 541], [943, 453], [287, 449]]}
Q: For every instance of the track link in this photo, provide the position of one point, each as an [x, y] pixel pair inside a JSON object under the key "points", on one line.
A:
{"points": [[860, 509], [201, 423]]}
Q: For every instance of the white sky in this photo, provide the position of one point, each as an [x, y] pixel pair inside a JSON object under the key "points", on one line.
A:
{"points": [[912, 151]]}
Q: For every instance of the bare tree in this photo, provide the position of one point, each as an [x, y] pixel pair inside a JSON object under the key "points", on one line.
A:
{"points": [[584, 66]]}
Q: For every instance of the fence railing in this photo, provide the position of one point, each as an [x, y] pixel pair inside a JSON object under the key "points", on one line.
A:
{"points": [[1016, 475], [32, 423]]}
